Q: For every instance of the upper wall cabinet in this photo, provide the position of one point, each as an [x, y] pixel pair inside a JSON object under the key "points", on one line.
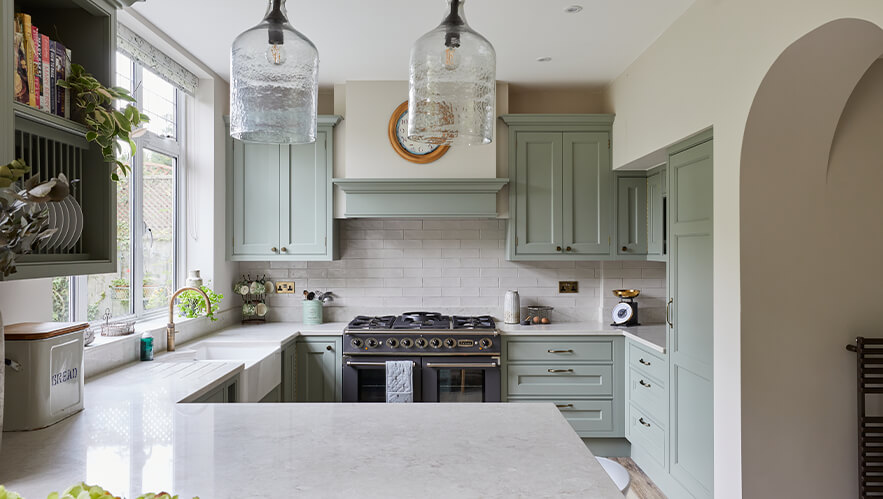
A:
{"points": [[52, 144], [657, 211], [560, 200], [631, 214], [279, 199]]}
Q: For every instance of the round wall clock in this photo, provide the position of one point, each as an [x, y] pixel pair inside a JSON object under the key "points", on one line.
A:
{"points": [[416, 152]]}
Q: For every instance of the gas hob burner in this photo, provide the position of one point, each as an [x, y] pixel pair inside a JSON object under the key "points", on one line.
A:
{"points": [[474, 322], [422, 320], [368, 323]]}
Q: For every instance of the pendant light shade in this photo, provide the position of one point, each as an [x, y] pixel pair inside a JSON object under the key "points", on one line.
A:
{"points": [[452, 84], [274, 82]]}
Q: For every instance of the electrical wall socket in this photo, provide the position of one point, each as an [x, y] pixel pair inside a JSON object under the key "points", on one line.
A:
{"points": [[285, 287], [568, 286]]}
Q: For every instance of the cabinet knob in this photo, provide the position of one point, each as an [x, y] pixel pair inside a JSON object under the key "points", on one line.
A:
{"points": [[557, 248], [273, 249], [568, 249], [284, 249], [625, 248], [329, 348]]}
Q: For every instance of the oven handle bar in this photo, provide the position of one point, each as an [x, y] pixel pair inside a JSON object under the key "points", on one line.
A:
{"points": [[351, 363], [463, 365]]}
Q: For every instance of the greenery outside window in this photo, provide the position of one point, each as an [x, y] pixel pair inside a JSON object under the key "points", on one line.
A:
{"points": [[147, 228]]}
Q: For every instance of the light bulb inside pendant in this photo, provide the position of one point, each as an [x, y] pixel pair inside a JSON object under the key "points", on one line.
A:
{"points": [[276, 54]]}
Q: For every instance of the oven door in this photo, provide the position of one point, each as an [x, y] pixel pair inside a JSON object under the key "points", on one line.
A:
{"points": [[364, 378], [461, 379]]}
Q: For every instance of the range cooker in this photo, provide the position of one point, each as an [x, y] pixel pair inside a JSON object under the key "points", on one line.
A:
{"points": [[454, 358]]}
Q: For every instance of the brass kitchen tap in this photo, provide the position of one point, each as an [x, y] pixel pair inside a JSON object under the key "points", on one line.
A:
{"points": [[170, 327]]}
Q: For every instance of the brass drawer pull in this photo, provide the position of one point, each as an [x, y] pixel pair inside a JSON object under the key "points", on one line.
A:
{"points": [[564, 406], [557, 248], [642, 361], [644, 384], [641, 420], [560, 351], [555, 371]]}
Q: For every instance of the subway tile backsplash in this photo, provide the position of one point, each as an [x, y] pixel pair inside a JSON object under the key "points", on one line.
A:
{"points": [[390, 266]]}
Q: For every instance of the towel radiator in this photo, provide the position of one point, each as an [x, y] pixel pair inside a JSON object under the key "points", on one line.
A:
{"points": [[869, 376]]}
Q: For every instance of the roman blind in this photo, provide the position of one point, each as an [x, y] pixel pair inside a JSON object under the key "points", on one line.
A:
{"points": [[136, 47]]}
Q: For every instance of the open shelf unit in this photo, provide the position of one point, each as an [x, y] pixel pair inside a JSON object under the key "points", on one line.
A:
{"points": [[52, 144]]}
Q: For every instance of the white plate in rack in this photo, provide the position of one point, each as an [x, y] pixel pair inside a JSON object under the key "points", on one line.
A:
{"points": [[70, 225], [78, 222], [55, 222]]}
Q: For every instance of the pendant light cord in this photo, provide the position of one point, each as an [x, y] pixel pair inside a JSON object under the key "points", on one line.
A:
{"points": [[452, 36], [276, 19]]}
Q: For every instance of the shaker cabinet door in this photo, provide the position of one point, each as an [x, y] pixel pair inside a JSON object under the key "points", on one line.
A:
{"points": [[656, 214], [318, 371], [256, 194], [538, 188], [586, 200], [304, 205], [631, 214]]}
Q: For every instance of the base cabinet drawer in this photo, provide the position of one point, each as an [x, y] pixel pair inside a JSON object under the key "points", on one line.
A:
{"points": [[560, 351], [650, 363], [648, 394], [643, 430], [571, 380], [589, 418]]}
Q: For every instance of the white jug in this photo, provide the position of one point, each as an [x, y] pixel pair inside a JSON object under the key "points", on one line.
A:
{"points": [[512, 307]]}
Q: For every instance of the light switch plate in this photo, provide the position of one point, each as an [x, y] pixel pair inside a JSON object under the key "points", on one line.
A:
{"points": [[285, 287], [568, 286]]}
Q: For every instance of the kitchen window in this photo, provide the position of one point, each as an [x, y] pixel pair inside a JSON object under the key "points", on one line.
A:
{"points": [[147, 209]]}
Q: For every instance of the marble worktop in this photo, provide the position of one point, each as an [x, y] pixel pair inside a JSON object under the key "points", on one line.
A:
{"points": [[138, 434]]}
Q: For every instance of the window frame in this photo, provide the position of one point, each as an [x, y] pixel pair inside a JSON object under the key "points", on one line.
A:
{"points": [[165, 145]]}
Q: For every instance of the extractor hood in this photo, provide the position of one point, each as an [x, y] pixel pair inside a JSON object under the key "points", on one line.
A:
{"points": [[421, 198]]}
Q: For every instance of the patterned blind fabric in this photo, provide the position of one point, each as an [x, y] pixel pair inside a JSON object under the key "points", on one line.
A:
{"points": [[131, 44]]}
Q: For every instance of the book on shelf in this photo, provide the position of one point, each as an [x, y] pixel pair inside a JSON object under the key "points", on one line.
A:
{"points": [[20, 83], [60, 74], [67, 91], [53, 79], [38, 66], [23, 25], [45, 89]]}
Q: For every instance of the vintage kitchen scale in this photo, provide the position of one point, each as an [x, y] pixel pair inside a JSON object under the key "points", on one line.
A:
{"points": [[625, 313]]}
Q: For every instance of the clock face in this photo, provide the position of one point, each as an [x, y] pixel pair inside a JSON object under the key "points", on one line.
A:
{"points": [[415, 148]]}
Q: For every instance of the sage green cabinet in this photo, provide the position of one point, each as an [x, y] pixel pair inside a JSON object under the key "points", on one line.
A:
{"points": [[52, 145], [560, 200], [690, 341], [318, 369], [280, 199], [657, 204], [631, 214], [289, 370], [226, 392], [581, 375]]}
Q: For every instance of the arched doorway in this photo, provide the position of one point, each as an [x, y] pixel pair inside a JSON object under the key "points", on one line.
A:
{"points": [[811, 211]]}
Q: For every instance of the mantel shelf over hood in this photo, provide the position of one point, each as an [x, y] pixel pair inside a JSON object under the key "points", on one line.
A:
{"points": [[421, 198]]}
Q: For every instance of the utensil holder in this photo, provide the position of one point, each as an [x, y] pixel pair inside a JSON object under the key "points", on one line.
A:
{"points": [[312, 312]]}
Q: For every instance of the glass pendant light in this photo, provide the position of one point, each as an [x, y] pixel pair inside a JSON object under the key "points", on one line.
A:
{"points": [[274, 82], [452, 84]]}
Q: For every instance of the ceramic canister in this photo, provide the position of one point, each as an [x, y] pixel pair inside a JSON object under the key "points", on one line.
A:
{"points": [[511, 307]]}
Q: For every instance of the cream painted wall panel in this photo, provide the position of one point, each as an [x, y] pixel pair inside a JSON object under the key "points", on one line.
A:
{"points": [[369, 154], [26, 301], [703, 71], [562, 100]]}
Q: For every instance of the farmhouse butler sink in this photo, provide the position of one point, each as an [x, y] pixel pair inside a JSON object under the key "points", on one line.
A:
{"points": [[263, 363]]}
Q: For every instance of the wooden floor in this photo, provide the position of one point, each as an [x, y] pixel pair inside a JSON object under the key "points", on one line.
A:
{"points": [[641, 486]]}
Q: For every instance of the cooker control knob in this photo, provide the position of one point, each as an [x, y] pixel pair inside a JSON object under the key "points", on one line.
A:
{"points": [[356, 343], [392, 342], [406, 343], [450, 342], [435, 343], [372, 343], [485, 343], [420, 342]]}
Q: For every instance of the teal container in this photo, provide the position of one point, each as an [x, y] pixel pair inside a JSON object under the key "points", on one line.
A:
{"points": [[312, 312]]}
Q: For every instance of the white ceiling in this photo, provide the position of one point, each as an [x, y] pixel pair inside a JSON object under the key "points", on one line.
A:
{"points": [[371, 40]]}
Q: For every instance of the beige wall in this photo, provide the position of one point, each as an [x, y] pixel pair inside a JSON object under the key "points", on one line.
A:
{"points": [[704, 71], [797, 379], [559, 100], [26, 301]]}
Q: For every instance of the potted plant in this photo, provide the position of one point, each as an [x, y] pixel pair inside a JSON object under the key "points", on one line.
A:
{"points": [[192, 305]]}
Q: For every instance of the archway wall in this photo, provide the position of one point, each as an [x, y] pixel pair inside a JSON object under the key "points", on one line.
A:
{"points": [[705, 71], [812, 259]]}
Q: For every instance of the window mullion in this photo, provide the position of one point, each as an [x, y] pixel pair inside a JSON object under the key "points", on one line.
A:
{"points": [[137, 192]]}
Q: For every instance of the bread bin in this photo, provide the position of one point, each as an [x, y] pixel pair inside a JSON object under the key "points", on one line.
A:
{"points": [[44, 374]]}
